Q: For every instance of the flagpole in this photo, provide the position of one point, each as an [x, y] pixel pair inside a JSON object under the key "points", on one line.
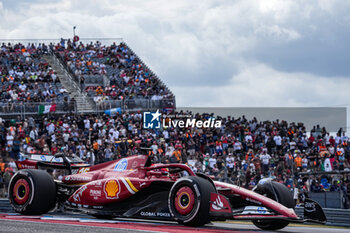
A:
{"points": [[74, 27]]}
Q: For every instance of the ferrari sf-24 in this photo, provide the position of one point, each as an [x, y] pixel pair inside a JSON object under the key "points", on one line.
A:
{"points": [[133, 187]]}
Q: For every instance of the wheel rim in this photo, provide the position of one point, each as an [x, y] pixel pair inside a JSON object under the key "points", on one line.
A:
{"points": [[184, 200], [21, 191]]}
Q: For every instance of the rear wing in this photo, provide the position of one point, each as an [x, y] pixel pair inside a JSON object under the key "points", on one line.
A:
{"points": [[70, 163]]}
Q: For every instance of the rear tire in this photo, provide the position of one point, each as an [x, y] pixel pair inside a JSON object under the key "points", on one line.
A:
{"points": [[32, 192], [189, 201], [277, 192]]}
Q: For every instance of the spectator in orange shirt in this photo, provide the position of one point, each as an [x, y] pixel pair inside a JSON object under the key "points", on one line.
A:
{"points": [[177, 154], [89, 63], [99, 90], [298, 161], [95, 146], [2, 165]]}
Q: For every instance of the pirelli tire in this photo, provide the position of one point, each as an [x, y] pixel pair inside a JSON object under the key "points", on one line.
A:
{"points": [[280, 193], [32, 192], [189, 201]]}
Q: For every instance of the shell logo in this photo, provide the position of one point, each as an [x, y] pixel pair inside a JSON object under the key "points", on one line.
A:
{"points": [[112, 189]]}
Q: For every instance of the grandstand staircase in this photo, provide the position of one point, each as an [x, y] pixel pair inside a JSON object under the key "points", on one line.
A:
{"points": [[84, 105]]}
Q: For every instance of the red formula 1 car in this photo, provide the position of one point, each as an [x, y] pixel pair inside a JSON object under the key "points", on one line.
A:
{"points": [[134, 187]]}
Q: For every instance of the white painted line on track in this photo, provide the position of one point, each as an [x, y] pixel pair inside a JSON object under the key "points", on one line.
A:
{"points": [[94, 227], [60, 218]]}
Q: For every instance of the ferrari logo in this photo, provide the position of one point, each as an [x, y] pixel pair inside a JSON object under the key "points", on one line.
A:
{"points": [[112, 189]]}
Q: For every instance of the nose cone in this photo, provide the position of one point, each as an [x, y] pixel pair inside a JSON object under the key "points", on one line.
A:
{"points": [[291, 213]]}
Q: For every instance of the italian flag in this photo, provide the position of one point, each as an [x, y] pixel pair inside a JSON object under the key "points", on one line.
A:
{"points": [[47, 108]]}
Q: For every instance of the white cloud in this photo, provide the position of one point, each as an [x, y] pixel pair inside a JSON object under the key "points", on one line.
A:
{"points": [[277, 33], [258, 85]]}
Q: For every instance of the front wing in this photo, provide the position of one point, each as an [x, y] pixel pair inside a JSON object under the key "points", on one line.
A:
{"points": [[221, 208]]}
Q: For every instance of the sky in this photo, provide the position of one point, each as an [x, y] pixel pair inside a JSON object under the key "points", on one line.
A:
{"points": [[212, 53]]}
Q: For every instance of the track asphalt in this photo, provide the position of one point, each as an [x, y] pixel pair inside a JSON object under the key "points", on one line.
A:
{"points": [[57, 223]]}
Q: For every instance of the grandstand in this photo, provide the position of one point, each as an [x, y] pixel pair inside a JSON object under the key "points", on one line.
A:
{"points": [[77, 77], [27, 79]]}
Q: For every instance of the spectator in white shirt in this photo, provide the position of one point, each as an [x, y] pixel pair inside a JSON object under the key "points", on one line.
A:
{"points": [[265, 161]]}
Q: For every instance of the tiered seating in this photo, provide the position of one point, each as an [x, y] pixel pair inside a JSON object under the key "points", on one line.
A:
{"points": [[127, 76], [26, 77]]}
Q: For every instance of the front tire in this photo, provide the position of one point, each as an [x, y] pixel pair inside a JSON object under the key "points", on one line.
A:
{"points": [[270, 224], [277, 192], [189, 201], [32, 192]]}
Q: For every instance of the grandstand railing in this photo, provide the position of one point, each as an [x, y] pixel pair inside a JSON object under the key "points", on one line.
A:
{"points": [[29, 108], [73, 79], [96, 80], [135, 104]]}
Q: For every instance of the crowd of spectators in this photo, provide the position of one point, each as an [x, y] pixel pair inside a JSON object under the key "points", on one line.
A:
{"points": [[26, 77], [241, 151], [128, 77]]}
